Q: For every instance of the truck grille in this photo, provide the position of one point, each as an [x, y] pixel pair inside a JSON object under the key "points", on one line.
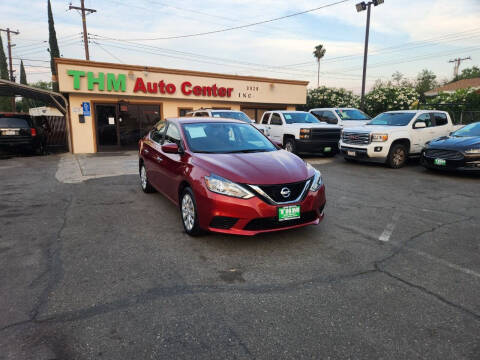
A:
{"points": [[444, 154], [356, 138], [326, 134]]}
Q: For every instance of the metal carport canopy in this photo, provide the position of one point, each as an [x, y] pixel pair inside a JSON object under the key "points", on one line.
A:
{"points": [[57, 100]]}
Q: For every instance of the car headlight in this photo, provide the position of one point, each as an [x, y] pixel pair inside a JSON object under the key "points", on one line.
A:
{"points": [[472, 151], [305, 133], [379, 137], [219, 185], [317, 181]]}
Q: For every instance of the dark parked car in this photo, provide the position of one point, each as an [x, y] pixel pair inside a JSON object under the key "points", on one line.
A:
{"points": [[459, 151], [226, 176], [19, 132]]}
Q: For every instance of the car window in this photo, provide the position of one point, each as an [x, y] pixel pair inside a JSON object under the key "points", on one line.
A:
{"points": [[275, 119], [440, 119], [426, 118], [265, 118], [10, 122], [172, 135], [300, 117], [237, 115], [329, 117], [158, 130], [392, 119], [201, 114], [318, 114], [352, 114]]}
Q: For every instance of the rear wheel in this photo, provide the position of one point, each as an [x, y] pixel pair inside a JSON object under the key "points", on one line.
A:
{"points": [[146, 186], [290, 146], [188, 211], [397, 157]]}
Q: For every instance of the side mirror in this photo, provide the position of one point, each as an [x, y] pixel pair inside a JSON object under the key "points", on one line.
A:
{"points": [[420, 125], [170, 148]]}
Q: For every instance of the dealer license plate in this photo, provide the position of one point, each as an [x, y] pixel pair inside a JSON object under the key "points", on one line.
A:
{"points": [[351, 153], [289, 212], [440, 162], [9, 132], [327, 149]]}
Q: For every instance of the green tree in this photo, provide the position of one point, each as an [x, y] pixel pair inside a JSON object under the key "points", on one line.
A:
{"points": [[330, 97], [5, 102], [24, 104], [469, 73], [426, 80], [319, 53], [54, 51]]}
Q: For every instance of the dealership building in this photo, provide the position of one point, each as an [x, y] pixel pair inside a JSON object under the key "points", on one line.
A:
{"points": [[112, 105]]}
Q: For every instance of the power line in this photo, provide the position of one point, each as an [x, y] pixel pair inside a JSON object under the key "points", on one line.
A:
{"points": [[236, 27], [108, 52], [457, 63]]}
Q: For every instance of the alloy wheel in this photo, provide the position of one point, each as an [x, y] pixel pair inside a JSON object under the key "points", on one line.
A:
{"points": [[143, 177], [398, 157], [188, 212]]}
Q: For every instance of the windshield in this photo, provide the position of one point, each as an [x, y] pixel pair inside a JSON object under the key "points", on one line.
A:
{"points": [[352, 114], [10, 122], [392, 119], [237, 115], [468, 130], [300, 118], [218, 138]]}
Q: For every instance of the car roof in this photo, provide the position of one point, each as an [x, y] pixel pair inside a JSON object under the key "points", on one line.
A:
{"points": [[284, 111], [335, 108], [203, 119], [414, 111], [210, 109]]}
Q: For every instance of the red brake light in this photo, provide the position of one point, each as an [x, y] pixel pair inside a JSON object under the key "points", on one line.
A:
{"points": [[33, 131]]}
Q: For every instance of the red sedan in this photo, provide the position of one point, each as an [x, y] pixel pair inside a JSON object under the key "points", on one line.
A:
{"points": [[226, 176]]}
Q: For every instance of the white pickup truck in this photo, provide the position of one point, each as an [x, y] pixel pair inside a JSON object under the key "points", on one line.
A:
{"points": [[393, 136], [300, 132]]}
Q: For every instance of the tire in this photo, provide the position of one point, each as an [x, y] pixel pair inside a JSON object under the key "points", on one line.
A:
{"points": [[144, 183], [188, 213], [397, 156], [289, 145]]}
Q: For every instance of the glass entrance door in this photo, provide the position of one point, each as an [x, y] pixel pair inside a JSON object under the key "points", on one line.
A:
{"points": [[106, 119], [135, 121]]}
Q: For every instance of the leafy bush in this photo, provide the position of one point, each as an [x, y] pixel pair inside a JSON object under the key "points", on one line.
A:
{"points": [[388, 97], [331, 97]]}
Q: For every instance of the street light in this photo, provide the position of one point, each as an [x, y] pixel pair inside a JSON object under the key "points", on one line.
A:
{"points": [[361, 7]]}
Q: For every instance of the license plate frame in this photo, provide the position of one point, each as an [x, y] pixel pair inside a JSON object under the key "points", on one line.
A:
{"points": [[440, 162], [327, 149], [351, 153], [285, 213], [9, 132]]}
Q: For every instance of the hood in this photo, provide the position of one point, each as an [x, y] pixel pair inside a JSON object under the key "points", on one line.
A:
{"points": [[262, 168], [455, 142], [376, 128], [322, 125], [353, 123]]}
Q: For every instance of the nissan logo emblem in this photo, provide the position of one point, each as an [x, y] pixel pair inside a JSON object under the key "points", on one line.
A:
{"points": [[285, 192]]}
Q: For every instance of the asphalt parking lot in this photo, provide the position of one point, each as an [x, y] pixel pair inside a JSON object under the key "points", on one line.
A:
{"points": [[93, 268]]}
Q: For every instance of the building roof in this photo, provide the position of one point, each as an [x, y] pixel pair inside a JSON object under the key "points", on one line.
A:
{"points": [[456, 85], [176, 71]]}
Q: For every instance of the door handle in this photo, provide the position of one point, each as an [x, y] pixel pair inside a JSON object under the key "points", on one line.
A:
{"points": [[159, 159], [145, 151]]}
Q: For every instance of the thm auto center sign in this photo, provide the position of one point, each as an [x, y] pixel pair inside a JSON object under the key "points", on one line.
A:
{"points": [[111, 82]]}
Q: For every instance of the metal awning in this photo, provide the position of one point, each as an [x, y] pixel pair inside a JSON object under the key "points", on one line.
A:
{"points": [[54, 99]]}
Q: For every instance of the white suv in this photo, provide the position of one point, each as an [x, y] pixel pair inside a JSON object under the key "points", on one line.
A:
{"points": [[393, 136], [345, 117], [220, 113]]}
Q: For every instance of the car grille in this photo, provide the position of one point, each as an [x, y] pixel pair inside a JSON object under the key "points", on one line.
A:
{"points": [[356, 138], [274, 191], [273, 223], [444, 154], [326, 134]]}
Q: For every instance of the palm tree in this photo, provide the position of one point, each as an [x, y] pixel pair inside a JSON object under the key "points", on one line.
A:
{"points": [[318, 54]]}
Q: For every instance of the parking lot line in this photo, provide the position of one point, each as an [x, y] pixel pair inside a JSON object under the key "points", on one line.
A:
{"points": [[385, 236]]}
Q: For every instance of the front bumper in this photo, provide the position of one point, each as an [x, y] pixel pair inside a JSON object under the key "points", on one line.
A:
{"points": [[377, 151], [316, 146], [468, 163], [224, 214]]}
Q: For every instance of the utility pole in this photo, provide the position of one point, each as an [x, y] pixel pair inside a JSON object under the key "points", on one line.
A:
{"points": [[9, 47], [84, 10], [361, 7], [457, 62]]}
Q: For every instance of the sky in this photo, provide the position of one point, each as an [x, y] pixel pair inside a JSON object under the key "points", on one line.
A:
{"points": [[405, 36]]}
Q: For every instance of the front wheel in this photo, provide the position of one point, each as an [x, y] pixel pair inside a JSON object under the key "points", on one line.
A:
{"points": [[397, 157], [188, 211], [290, 146]]}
